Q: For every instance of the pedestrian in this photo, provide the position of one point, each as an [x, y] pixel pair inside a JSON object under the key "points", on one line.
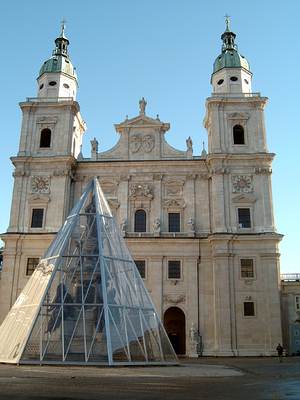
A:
{"points": [[279, 349]]}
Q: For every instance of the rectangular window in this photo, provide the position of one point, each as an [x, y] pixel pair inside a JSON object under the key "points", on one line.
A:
{"points": [[174, 269], [141, 266], [37, 218], [297, 303], [247, 268], [174, 222], [32, 263], [244, 217], [249, 309]]}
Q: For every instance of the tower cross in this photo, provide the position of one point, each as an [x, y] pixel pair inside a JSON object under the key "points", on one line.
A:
{"points": [[63, 26]]}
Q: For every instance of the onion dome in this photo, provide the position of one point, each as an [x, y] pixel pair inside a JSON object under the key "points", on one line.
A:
{"points": [[230, 57], [60, 61]]}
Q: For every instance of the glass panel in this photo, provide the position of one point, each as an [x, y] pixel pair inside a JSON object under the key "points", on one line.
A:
{"points": [[85, 302]]}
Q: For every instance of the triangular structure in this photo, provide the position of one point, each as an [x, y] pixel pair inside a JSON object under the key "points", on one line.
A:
{"points": [[86, 302]]}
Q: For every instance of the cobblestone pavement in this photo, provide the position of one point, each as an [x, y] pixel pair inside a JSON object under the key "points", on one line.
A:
{"points": [[204, 378]]}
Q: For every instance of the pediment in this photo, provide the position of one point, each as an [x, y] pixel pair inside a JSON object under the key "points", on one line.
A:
{"points": [[244, 198], [142, 121]]}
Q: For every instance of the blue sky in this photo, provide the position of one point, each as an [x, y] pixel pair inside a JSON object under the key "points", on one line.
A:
{"points": [[163, 50]]}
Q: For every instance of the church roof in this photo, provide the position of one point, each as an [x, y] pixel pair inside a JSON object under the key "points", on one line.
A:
{"points": [[230, 57]]}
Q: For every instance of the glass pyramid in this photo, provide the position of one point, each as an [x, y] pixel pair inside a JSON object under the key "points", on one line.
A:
{"points": [[86, 302]]}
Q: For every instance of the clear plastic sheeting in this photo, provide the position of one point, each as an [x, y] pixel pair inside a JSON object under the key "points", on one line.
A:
{"points": [[86, 302]]}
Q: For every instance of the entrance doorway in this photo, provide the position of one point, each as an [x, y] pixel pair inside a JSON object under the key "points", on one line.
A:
{"points": [[174, 322]]}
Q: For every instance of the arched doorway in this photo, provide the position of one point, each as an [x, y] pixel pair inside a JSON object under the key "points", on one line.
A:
{"points": [[174, 322]]}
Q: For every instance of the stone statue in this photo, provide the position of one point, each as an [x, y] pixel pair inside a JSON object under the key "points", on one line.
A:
{"points": [[94, 144], [123, 226], [189, 144], [191, 224], [156, 225], [142, 104]]}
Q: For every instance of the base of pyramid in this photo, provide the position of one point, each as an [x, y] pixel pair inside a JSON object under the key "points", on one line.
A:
{"points": [[86, 303]]}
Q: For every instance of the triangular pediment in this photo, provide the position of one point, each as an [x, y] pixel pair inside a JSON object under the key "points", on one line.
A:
{"points": [[142, 121]]}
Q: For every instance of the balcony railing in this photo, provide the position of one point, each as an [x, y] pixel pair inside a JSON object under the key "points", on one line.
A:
{"points": [[290, 277], [234, 95], [49, 99]]}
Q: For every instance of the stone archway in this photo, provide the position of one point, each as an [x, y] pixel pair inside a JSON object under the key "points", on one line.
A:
{"points": [[174, 322]]}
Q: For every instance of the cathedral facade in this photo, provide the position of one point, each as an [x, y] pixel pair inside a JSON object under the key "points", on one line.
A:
{"points": [[200, 228]]}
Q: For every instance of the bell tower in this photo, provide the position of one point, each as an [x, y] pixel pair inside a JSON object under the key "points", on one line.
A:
{"points": [[50, 141], [243, 233], [52, 124]]}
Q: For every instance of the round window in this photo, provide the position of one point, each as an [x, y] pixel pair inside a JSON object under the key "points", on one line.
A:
{"points": [[233, 78], [220, 81], [52, 83], [65, 85], [41, 86], [246, 81]]}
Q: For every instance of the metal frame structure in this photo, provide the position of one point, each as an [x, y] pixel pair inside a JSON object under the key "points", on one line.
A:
{"points": [[86, 302]]}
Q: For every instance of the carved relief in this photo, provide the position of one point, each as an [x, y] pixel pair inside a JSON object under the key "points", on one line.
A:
{"points": [[113, 203], [263, 171], [174, 188], [174, 203], [148, 143], [40, 184], [135, 143], [20, 172], [45, 268], [138, 142], [109, 188], [220, 171], [174, 299], [242, 184], [61, 172], [47, 120], [141, 190], [238, 115]]}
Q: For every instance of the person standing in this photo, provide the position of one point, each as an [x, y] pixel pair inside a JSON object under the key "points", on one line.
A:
{"points": [[279, 349]]}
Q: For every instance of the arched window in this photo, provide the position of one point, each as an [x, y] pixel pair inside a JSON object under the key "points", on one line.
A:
{"points": [[238, 135], [45, 139], [140, 221]]}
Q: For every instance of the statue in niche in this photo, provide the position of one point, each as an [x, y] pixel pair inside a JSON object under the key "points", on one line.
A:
{"points": [[94, 144], [142, 104], [191, 225], [156, 225], [123, 226]]}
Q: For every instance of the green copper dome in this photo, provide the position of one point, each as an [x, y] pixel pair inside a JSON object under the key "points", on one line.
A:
{"points": [[60, 61], [58, 64], [230, 57]]}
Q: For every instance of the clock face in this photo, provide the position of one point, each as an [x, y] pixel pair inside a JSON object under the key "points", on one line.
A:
{"points": [[40, 184], [242, 184]]}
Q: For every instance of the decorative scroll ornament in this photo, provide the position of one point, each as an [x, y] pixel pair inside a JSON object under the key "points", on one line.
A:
{"points": [[141, 190], [169, 298], [174, 203], [40, 184], [138, 142], [45, 268], [242, 184]]}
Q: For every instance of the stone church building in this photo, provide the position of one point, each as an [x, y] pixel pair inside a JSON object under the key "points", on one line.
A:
{"points": [[200, 228]]}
